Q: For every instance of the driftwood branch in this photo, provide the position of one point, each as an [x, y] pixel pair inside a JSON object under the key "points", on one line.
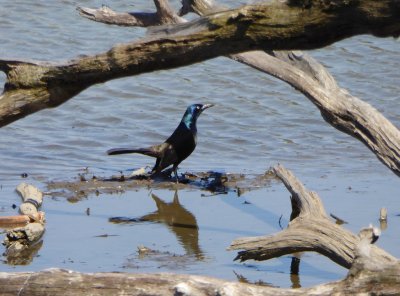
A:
{"points": [[62, 282], [368, 275], [164, 15], [309, 230], [338, 107], [23, 243], [33, 86]]}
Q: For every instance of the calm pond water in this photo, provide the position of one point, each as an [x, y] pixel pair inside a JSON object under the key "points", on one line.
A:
{"points": [[257, 122]]}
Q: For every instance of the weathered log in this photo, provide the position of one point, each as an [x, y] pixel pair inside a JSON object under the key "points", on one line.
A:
{"points": [[338, 107], [368, 275], [62, 282], [310, 229], [343, 111], [23, 242], [275, 25]]}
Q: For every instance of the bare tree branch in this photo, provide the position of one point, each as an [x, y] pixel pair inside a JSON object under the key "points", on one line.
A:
{"points": [[277, 25], [363, 278], [310, 230], [164, 15], [338, 107]]}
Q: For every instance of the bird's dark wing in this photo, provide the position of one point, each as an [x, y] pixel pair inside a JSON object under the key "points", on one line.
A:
{"points": [[167, 156]]}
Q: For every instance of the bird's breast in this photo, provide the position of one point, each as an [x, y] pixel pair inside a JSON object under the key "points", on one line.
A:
{"points": [[186, 146]]}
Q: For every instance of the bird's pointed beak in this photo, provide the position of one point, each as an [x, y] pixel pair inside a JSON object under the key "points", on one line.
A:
{"points": [[206, 106]]}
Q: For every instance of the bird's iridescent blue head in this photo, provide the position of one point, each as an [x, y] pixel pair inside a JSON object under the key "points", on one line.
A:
{"points": [[192, 113]]}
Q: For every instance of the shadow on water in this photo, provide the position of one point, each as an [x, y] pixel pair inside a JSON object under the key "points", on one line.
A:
{"points": [[178, 220]]}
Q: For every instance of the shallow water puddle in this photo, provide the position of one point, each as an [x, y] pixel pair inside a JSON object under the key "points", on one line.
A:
{"points": [[184, 231]]}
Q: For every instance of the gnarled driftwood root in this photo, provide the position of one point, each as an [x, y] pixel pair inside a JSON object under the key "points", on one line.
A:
{"points": [[310, 229]]}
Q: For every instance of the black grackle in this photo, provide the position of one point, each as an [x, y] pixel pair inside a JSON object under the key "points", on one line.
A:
{"points": [[177, 147]]}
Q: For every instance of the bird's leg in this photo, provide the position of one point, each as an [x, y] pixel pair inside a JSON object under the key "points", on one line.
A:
{"points": [[175, 168]]}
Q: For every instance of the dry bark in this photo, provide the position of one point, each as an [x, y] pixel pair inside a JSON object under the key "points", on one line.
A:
{"points": [[61, 282]]}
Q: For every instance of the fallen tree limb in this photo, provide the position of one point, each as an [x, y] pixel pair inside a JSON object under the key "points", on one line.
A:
{"points": [[338, 107], [276, 25], [310, 229], [22, 243], [62, 282], [368, 275]]}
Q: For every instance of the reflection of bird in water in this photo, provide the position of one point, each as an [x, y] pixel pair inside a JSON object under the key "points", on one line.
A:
{"points": [[179, 220], [177, 147]]}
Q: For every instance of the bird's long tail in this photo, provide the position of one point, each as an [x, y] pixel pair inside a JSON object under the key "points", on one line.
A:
{"points": [[144, 151]]}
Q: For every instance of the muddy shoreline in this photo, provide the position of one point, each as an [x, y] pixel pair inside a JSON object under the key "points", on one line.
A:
{"points": [[212, 183]]}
